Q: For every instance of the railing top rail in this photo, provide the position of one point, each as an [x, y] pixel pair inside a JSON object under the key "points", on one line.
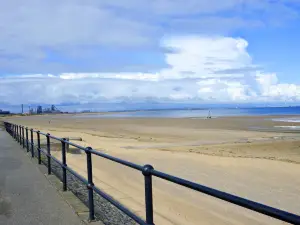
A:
{"points": [[258, 207], [63, 140], [148, 170], [117, 160]]}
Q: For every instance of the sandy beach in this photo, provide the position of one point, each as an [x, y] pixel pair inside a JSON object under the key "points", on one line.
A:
{"points": [[245, 156]]}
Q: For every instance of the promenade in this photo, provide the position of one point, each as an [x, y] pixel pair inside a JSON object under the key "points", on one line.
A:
{"points": [[26, 196]]}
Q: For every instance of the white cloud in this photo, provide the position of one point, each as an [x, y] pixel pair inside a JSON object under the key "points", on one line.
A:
{"points": [[272, 89], [129, 76], [37, 28], [201, 69], [203, 57]]}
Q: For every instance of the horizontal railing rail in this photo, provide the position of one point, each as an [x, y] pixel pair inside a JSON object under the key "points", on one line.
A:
{"points": [[18, 133]]}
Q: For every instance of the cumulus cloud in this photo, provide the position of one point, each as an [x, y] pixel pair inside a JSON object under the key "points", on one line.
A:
{"points": [[52, 36], [203, 57], [201, 69], [90, 51]]}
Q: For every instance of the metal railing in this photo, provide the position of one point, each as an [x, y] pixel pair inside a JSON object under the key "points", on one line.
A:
{"points": [[17, 132]]}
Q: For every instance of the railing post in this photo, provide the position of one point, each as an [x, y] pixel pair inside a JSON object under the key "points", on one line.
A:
{"points": [[32, 144], [148, 193], [90, 183], [17, 133], [48, 154], [27, 144], [20, 127], [64, 162], [20, 134], [23, 134], [39, 147], [19, 139], [14, 129]]}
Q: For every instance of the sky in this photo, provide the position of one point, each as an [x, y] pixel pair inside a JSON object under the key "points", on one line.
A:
{"points": [[173, 51]]}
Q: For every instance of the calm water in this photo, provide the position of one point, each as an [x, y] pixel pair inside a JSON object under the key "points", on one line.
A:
{"points": [[185, 113]]}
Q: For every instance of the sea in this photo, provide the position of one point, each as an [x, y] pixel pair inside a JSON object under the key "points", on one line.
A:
{"points": [[290, 115], [294, 112]]}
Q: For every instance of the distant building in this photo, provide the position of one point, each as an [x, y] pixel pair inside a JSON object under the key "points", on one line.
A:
{"points": [[31, 111], [4, 112], [52, 109], [39, 110]]}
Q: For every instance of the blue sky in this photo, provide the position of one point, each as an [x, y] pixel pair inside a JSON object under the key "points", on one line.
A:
{"points": [[277, 49], [191, 51]]}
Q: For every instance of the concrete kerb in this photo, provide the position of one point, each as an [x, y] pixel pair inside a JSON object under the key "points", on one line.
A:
{"points": [[78, 206]]}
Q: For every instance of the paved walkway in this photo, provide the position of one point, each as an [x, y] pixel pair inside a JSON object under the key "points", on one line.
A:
{"points": [[26, 196]]}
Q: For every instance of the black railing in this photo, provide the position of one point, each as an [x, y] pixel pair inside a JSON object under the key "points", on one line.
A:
{"points": [[148, 171]]}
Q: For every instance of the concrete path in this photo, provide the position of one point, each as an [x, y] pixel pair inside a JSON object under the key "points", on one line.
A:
{"points": [[26, 196]]}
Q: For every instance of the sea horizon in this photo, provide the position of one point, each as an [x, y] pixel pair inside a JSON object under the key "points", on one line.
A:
{"points": [[196, 112], [144, 106]]}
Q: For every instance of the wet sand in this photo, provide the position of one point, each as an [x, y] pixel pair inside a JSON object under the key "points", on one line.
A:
{"points": [[223, 153]]}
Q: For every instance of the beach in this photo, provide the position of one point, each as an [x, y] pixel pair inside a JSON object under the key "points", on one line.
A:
{"points": [[246, 156]]}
